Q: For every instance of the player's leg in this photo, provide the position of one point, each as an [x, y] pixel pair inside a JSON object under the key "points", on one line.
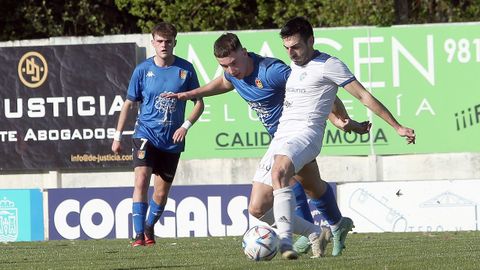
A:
{"points": [[323, 198], [275, 175], [157, 205], [139, 205], [261, 202], [290, 153], [164, 169], [283, 203], [320, 192], [143, 172], [301, 209], [260, 206], [302, 245]]}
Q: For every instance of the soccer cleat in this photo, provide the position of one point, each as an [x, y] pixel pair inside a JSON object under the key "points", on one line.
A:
{"points": [[139, 240], [319, 242], [288, 253], [325, 238], [302, 245], [149, 236], [315, 243], [340, 234]]}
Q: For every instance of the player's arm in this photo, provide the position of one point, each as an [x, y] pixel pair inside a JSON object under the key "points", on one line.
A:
{"points": [[356, 89], [197, 110], [340, 119], [217, 86], [117, 137]]}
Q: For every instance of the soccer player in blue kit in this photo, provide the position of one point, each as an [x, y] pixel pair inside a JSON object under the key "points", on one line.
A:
{"points": [[160, 130], [261, 82]]}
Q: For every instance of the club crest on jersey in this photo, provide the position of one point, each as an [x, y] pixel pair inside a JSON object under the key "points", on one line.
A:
{"points": [[258, 83], [183, 74], [150, 74], [141, 154], [302, 76]]}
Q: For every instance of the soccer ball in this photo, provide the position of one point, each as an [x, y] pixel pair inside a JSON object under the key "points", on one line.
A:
{"points": [[260, 243]]}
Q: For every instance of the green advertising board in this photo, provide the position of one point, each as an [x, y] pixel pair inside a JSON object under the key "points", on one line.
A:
{"points": [[424, 74]]}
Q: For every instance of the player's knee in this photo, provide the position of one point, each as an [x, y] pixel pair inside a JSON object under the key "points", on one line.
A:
{"points": [[141, 184], [160, 196], [282, 171], [279, 178]]}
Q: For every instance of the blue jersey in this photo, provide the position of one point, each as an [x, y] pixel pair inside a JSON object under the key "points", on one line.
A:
{"points": [[264, 89], [158, 117]]}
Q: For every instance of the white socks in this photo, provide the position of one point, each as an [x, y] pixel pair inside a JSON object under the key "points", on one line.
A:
{"points": [[268, 218], [283, 211], [300, 225], [303, 227]]}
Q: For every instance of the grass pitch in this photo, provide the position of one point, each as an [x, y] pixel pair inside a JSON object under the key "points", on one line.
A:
{"points": [[446, 250]]}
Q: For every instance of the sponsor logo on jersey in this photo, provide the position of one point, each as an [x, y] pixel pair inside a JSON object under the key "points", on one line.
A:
{"points": [[183, 74], [150, 74], [302, 76], [258, 83]]}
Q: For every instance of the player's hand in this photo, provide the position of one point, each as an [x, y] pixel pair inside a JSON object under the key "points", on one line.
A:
{"points": [[359, 128], [116, 147], [179, 96], [408, 133], [179, 135]]}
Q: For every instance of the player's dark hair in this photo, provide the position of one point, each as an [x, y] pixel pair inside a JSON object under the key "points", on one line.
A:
{"points": [[226, 44], [164, 29], [297, 25]]}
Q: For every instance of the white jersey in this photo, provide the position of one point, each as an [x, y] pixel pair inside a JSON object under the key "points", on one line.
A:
{"points": [[309, 96], [310, 93]]}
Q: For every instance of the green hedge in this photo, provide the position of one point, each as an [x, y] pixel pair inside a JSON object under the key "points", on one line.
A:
{"points": [[26, 19]]}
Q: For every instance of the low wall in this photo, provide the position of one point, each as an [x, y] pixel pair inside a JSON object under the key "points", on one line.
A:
{"points": [[456, 166]]}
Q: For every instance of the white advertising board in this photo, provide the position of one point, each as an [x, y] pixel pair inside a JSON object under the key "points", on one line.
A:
{"points": [[419, 206]]}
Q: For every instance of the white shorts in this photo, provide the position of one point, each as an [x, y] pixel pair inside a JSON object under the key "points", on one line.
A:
{"points": [[301, 149]]}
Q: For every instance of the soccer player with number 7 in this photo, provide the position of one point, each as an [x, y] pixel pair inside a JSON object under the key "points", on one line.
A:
{"points": [[160, 130]]}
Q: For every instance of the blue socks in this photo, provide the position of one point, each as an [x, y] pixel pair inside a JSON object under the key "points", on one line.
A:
{"points": [[327, 205], [154, 214], [301, 209], [139, 211]]}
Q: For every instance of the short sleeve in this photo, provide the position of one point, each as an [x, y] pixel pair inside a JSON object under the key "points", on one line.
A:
{"points": [[134, 92], [277, 74], [193, 80], [336, 71]]}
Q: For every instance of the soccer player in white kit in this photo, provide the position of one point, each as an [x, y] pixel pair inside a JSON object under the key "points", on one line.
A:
{"points": [[309, 96]]}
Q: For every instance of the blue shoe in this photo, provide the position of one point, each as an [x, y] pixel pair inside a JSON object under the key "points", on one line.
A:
{"points": [[340, 234]]}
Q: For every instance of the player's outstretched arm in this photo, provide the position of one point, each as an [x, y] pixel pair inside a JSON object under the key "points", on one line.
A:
{"points": [[117, 138], [217, 86], [356, 89], [197, 111], [340, 119]]}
